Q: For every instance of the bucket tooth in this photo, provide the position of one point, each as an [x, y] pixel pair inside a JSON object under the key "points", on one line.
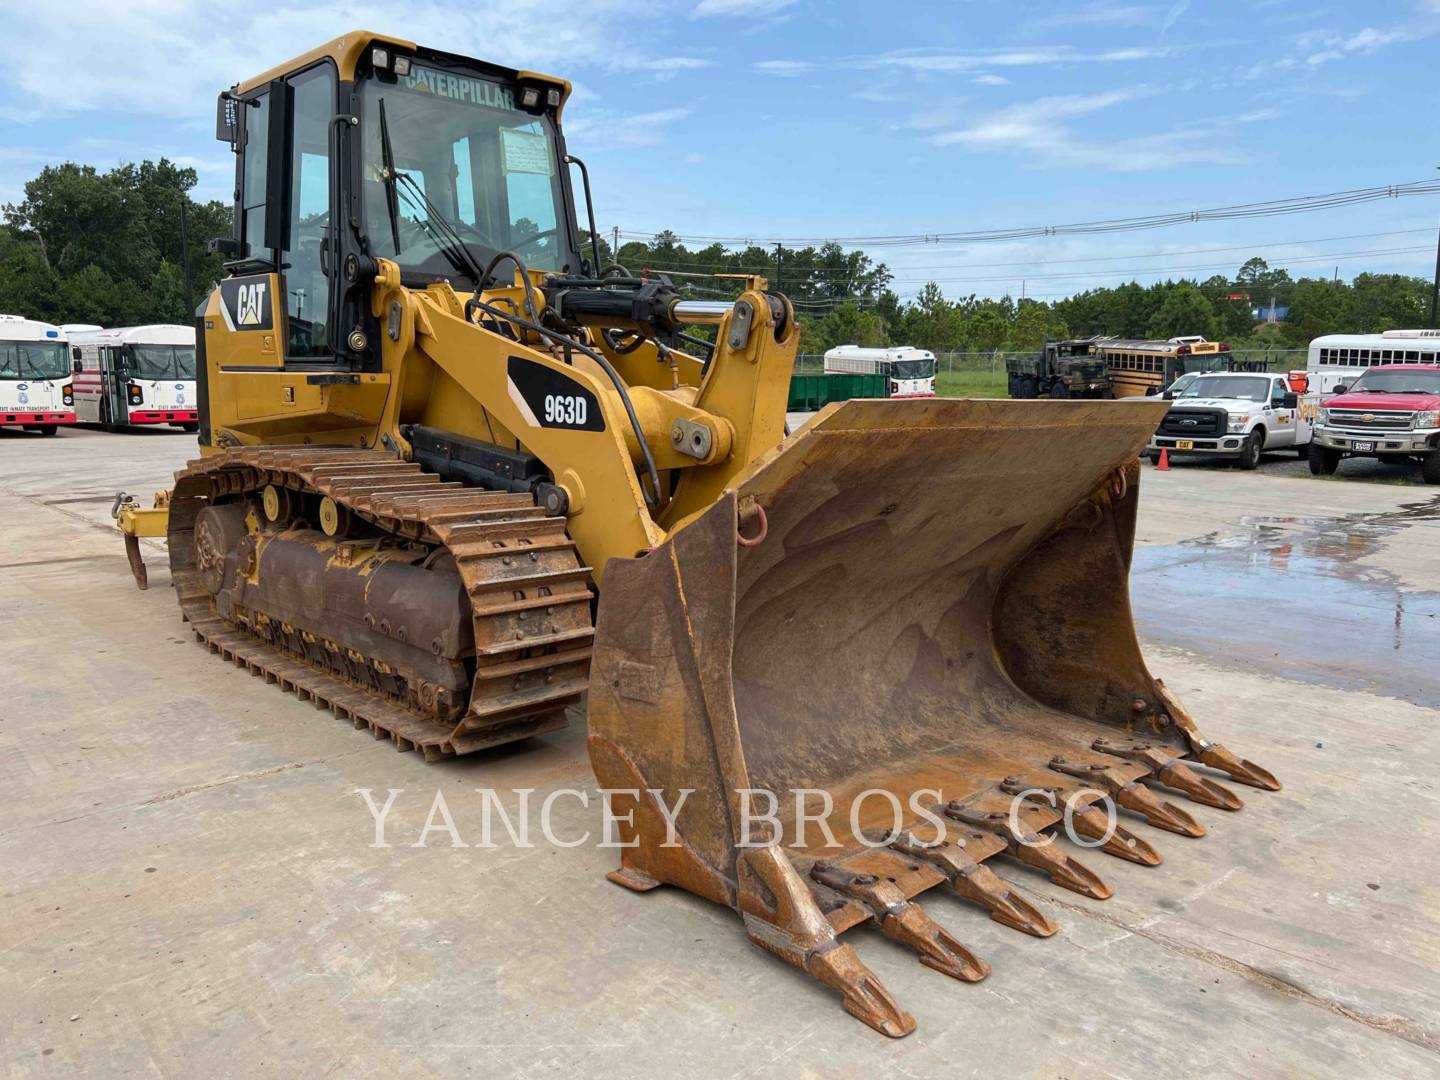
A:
{"points": [[1197, 788], [1174, 773], [977, 882], [797, 931], [1241, 770], [1132, 795], [1032, 849], [839, 967], [904, 921], [1087, 820], [1213, 754], [1092, 823]]}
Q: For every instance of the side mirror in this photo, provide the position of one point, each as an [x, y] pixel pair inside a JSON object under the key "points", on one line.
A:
{"points": [[77, 365], [75, 352], [1290, 401], [1168, 395], [1340, 388]]}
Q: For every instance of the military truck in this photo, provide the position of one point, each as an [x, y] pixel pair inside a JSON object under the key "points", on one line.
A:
{"points": [[1065, 369]]}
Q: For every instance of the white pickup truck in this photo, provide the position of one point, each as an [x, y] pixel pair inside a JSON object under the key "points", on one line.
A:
{"points": [[1238, 415]]}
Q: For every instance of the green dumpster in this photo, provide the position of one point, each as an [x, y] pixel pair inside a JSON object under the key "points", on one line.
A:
{"points": [[809, 392]]}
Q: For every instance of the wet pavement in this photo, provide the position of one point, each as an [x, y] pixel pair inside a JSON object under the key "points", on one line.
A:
{"points": [[1287, 464], [191, 886], [1299, 597]]}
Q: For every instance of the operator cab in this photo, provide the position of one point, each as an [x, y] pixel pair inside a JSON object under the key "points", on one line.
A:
{"points": [[372, 147]]}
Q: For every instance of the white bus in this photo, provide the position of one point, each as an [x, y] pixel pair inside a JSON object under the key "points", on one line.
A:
{"points": [[35, 390], [1337, 358], [136, 375], [911, 371]]}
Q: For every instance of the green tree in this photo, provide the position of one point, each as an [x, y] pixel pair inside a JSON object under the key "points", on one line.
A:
{"points": [[1388, 302], [1256, 278], [167, 295], [1317, 306], [29, 286], [986, 330], [1031, 325], [934, 322], [1183, 312], [847, 324]]}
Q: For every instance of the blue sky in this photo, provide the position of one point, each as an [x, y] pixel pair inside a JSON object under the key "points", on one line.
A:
{"points": [[801, 118]]}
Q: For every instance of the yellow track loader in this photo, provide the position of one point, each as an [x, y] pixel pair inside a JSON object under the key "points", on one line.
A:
{"points": [[826, 671]]}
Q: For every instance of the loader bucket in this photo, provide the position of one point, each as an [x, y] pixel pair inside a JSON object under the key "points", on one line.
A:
{"points": [[918, 605]]}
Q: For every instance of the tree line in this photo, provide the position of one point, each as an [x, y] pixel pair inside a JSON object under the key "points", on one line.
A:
{"points": [[844, 298], [105, 247]]}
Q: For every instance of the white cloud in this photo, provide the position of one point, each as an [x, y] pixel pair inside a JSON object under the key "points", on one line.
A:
{"points": [[1173, 16], [989, 78], [673, 63], [1034, 123], [711, 8], [1101, 13], [171, 57], [1328, 46], [929, 121], [937, 60], [637, 129], [666, 67], [784, 68], [1038, 129]]}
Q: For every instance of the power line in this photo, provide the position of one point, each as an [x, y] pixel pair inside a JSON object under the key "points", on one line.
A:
{"points": [[1301, 204], [1042, 261], [1342, 256]]}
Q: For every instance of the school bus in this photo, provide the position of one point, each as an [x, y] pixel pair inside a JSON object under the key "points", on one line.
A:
{"points": [[1139, 368]]}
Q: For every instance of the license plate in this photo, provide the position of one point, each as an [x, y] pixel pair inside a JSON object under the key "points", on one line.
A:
{"points": [[1363, 447], [1184, 444]]}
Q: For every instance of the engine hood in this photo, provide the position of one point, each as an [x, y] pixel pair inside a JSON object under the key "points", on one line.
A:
{"points": [[1383, 402]]}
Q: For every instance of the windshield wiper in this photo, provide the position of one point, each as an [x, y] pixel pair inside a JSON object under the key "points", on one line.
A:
{"points": [[387, 175], [441, 231]]}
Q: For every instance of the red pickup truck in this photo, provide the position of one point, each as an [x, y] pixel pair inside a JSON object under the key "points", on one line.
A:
{"points": [[1390, 412]]}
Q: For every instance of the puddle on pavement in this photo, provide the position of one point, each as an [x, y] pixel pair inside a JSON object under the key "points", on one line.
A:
{"points": [[1288, 596]]}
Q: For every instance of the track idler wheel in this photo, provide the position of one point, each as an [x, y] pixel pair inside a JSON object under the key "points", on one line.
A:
{"points": [[334, 518], [279, 504]]}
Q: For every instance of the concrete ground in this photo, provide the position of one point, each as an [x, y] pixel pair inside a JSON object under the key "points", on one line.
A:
{"points": [[189, 886]]}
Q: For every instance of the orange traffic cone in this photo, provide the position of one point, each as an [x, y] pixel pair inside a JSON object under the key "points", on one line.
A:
{"points": [[1164, 463]]}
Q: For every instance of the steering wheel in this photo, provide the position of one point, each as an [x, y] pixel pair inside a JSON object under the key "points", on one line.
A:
{"points": [[533, 238]]}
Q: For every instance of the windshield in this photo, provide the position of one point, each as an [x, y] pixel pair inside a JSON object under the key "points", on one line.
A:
{"points": [[912, 369], [1210, 386], [162, 361], [1398, 382], [33, 360], [1179, 385], [489, 169]]}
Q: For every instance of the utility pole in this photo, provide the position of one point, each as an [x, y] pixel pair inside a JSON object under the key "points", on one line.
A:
{"points": [[779, 252], [1435, 289], [614, 244], [185, 257]]}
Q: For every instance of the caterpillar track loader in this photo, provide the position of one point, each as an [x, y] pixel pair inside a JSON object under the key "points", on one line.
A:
{"points": [[434, 428]]}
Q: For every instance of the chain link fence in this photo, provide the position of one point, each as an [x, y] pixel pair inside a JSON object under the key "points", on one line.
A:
{"points": [[977, 361]]}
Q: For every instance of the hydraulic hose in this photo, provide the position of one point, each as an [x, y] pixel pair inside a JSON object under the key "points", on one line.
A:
{"points": [[531, 307], [652, 497]]}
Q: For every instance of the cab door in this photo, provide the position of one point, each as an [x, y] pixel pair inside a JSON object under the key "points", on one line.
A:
{"points": [[114, 385], [1282, 417]]}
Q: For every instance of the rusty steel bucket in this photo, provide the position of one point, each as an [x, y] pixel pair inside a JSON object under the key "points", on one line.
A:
{"points": [[919, 604]]}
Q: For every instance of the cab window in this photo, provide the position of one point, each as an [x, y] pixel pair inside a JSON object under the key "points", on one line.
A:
{"points": [[253, 175], [312, 104]]}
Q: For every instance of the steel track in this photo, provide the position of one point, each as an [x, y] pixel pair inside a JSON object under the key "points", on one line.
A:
{"points": [[529, 593]]}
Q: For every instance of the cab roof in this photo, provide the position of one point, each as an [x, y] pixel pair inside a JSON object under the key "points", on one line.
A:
{"points": [[348, 49]]}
